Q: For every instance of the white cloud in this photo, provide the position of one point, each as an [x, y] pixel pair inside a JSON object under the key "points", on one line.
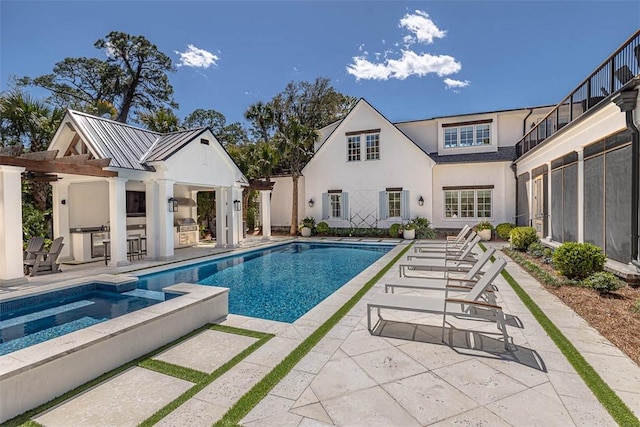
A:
{"points": [[409, 64], [422, 26], [195, 57], [455, 84]]}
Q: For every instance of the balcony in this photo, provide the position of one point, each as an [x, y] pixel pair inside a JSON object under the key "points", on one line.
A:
{"points": [[612, 75]]}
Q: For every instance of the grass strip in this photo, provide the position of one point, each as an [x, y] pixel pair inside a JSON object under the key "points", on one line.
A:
{"points": [[24, 418], [172, 370], [618, 410], [259, 391], [208, 379]]}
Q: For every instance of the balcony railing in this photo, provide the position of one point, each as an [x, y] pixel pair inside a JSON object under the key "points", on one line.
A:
{"points": [[608, 78]]}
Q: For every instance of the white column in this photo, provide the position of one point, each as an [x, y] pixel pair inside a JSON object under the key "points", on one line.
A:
{"points": [[549, 189], [118, 221], [60, 201], [153, 218], [580, 189], [165, 218], [232, 219], [221, 215], [11, 269], [265, 213], [194, 212]]}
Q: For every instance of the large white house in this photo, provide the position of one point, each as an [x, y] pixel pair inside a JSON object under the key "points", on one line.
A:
{"points": [[570, 170], [369, 172]]}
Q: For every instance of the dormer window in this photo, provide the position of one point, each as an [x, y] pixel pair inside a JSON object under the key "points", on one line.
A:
{"points": [[467, 134]]}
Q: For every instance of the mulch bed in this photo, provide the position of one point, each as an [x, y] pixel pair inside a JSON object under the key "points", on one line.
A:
{"points": [[612, 315]]}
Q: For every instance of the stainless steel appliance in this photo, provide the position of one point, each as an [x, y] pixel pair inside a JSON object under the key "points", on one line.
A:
{"points": [[187, 231], [97, 244]]}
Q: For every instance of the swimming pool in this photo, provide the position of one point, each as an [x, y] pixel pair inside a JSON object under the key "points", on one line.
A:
{"points": [[28, 321], [280, 283]]}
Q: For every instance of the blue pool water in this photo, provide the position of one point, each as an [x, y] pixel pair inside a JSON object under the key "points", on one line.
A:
{"points": [[280, 283], [38, 318]]}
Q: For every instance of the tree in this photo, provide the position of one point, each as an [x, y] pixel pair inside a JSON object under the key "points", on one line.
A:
{"points": [[293, 140], [262, 119], [30, 123], [132, 78], [226, 134], [162, 120]]}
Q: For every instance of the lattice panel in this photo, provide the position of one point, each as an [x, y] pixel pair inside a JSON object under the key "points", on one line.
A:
{"points": [[363, 209]]}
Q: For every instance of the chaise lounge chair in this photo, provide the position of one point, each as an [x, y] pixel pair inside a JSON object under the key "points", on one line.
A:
{"points": [[441, 284], [45, 262], [462, 263], [444, 246], [463, 254], [468, 307]]}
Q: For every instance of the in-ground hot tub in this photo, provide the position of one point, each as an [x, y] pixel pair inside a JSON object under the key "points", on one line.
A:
{"points": [[39, 372]]}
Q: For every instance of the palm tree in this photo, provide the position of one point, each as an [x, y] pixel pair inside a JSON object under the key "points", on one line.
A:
{"points": [[295, 143], [162, 120]]}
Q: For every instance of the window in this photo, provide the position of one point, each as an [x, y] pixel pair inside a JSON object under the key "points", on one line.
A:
{"points": [[467, 203], [336, 208], [393, 203], [353, 148], [468, 135], [373, 146]]}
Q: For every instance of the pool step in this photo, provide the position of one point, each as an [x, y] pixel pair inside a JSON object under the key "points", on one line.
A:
{"points": [[145, 293]]}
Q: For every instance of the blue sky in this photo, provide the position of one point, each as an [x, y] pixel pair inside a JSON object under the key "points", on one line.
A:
{"points": [[411, 60]]}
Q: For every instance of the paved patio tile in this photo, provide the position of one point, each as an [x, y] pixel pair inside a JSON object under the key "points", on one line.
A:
{"points": [[361, 342], [428, 398], [479, 381], [124, 400], [206, 351], [568, 384], [328, 345], [193, 413], [479, 417], [539, 409], [306, 398], [313, 362], [340, 377], [272, 406], [632, 400], [225, 390], [314, 411], [433, 356], [293, 384], [369, 407], [272, 352], [388, 365], [309, 422], [585, 413]]}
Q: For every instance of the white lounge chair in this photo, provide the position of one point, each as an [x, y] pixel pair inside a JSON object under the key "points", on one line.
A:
{"points": [[464, 254], [440, 284], [435, 264], [444, 246], [468, 307]]}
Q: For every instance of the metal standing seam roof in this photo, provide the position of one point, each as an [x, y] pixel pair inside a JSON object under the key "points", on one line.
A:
{"points": [[170, 143], [123, 143]]}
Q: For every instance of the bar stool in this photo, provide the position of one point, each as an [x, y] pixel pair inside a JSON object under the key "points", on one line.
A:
{"points": [[107, 245], [143, 246], [133, 246]]}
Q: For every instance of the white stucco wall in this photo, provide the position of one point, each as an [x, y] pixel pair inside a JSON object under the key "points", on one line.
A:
{"points": [[498, 174], [282, 200], [423, 132], [401, 164]]}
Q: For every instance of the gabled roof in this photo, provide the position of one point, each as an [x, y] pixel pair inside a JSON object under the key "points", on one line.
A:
{"points": [[170, 143]]}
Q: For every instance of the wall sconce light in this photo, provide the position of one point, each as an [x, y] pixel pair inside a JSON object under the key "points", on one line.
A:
{"points": [[63, 201], [420, 201], [173, 204], [311, 203], [237, 206]]}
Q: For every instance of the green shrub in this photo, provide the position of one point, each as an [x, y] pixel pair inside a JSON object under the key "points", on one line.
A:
{"points": [[522, 237], [423, 228], [309, 222], [503, 230], [578, 260], [323, 228], [603, 282], [536, 249], [395, 230], [547, 256]]}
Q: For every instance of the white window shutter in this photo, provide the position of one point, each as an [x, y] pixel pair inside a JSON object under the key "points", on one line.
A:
{"points": [[325, 205], [404, 205], [384, 209], [344, 202]]}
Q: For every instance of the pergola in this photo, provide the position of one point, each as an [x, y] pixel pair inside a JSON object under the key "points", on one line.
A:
{"points": [[37, 166]]}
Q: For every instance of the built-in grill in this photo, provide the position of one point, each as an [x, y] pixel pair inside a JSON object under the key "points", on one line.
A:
{"points": [[186, 224]]}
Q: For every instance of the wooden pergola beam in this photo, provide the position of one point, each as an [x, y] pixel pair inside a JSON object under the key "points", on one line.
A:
{"points": [[53, 166]]}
